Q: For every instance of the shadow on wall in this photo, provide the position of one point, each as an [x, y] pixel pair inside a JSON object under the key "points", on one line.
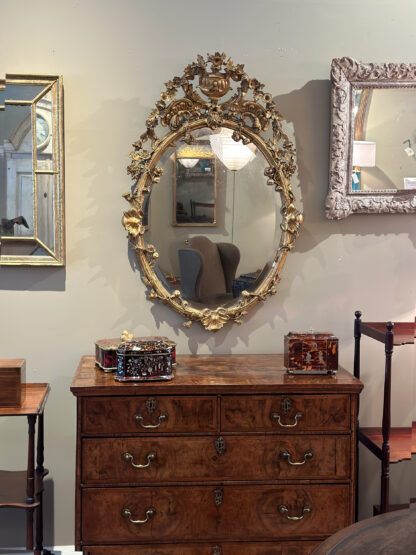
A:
{"points": [[308, 109], [26, 278]]}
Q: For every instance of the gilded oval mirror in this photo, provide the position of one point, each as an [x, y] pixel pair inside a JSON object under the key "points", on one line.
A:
{"points": [[212, 213]]}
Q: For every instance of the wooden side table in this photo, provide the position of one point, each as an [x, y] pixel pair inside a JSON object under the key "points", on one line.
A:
{"points": [[24, 489]]}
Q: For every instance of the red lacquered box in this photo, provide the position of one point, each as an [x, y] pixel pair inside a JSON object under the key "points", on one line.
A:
{"points": [[106, 351], [311, 353]]}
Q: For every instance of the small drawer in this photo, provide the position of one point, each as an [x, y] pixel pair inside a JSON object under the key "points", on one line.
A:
{"points": [[133, 461], [147, 415], [285, 414], [206, 513], [212, 548]]}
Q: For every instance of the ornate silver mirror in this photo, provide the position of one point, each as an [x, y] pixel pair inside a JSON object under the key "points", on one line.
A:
{"points": [[224, 165], [373, 139], [31, 171]]}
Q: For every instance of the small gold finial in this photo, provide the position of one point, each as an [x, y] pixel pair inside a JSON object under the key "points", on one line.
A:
{"points": [[126, 336]]}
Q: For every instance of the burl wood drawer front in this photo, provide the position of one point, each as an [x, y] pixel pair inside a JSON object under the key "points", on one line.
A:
{"points": [[285, 414], [118, 415], [237, 548], [186, 513], [182, 459]]}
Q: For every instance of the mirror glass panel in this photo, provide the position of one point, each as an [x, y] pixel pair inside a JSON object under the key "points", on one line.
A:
{"points": [[384, 142], [31, 171], [246, 226]]}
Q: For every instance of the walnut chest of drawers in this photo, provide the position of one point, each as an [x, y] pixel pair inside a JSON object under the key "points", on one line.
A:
{"points": [[233, 456]]}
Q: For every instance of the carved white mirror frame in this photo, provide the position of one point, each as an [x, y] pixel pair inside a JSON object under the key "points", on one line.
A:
{"points": [[347, 75]]}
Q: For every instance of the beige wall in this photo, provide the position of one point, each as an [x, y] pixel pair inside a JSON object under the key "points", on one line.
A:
{"points": [[115, 57]]}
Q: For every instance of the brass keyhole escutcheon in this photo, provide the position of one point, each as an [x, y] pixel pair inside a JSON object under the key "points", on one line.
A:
{"points": [[286, 405], [220, 445], [151, 405]]}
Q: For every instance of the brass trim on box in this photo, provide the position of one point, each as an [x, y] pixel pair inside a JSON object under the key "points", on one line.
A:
{"points": [[182, 116]]}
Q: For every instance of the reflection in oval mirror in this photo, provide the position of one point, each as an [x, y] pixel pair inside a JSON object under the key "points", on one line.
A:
{"points": [[222, 234]]}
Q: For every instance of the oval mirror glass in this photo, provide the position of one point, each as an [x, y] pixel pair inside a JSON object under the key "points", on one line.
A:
{"points": [[213, 219]]}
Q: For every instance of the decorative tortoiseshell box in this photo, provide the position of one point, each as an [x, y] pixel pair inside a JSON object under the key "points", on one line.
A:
{"points": [[106, 350], [311, 353], [148, 359]]}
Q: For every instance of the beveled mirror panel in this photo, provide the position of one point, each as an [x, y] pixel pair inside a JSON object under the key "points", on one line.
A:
{"points": [[373, 139], [234, 219], [31, 171]]}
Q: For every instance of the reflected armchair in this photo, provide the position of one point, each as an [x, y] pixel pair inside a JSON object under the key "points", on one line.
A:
{"points": [[207, 270]]}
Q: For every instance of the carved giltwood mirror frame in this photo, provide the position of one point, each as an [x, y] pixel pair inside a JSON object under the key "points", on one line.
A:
{"points": [[249, 113], [363, 100]]}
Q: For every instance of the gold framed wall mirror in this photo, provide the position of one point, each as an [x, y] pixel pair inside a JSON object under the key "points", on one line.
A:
{"points": [[240, 222], [372, 166], [31, 171]]}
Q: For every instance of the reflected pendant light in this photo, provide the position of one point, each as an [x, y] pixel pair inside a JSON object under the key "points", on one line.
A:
{"points": [[189, 162], [233, 154]]}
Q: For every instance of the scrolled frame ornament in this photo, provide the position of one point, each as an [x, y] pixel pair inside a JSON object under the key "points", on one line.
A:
{"points": [[248, 118], [346, 75]]}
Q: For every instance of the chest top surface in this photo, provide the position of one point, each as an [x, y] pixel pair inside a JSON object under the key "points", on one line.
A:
{"points": [[216, 374]]}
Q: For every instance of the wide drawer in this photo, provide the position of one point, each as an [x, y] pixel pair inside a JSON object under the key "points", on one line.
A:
{"points": [[118, 415], [182, 459], [186, 513], [232, 548], [285, 414]]}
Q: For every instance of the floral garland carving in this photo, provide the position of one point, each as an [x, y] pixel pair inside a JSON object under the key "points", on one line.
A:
{"points": [[249, 112], [340, 203]]}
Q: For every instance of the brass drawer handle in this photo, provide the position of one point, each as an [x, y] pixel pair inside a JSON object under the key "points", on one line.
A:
{"points": [[283, 510], [151, 511], [128, 457], [139, 420], [286, 455], [275, 416]]}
